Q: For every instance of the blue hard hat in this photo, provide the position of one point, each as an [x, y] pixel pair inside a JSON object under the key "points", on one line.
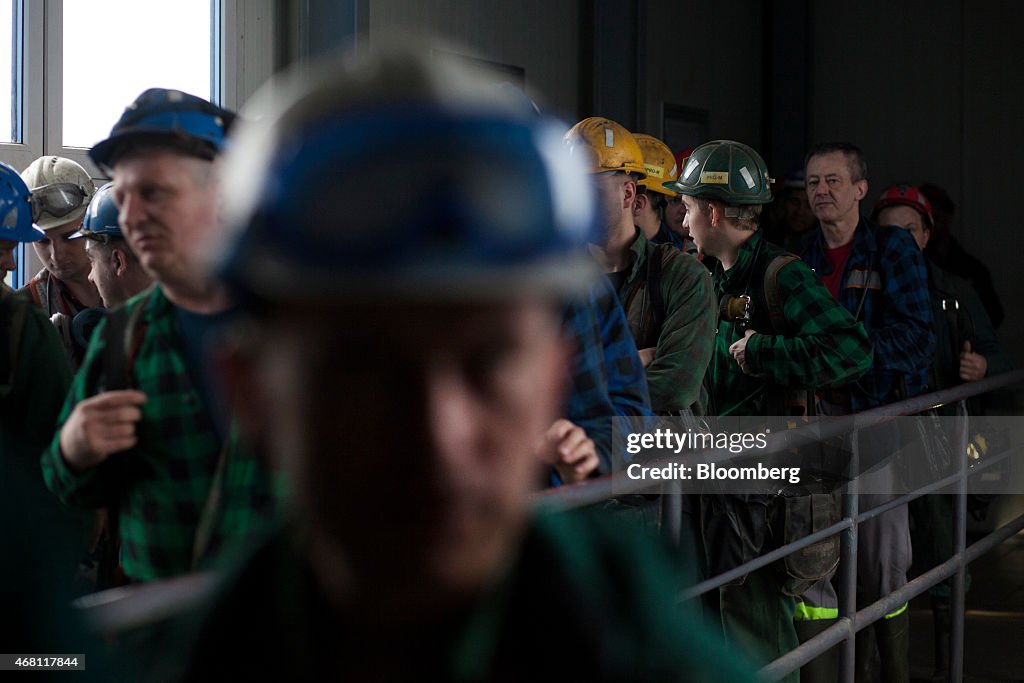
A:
{"points": [[101, 216], [168, 117], [16, 208], [483, 198]]}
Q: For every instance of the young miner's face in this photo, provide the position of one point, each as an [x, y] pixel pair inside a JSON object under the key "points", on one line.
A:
{"points": [[409, 431], [65, 258], [697, 222], [909, 219]]}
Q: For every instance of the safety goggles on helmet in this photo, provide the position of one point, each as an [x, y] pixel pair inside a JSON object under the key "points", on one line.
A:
{"points": [[57, 200]]}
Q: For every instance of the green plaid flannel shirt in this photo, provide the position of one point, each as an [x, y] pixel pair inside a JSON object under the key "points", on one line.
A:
{"points": [[684, 343], [160, 487], [826, 347]]}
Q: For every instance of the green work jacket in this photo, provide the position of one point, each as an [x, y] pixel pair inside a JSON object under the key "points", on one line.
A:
{"points": [[161, 488], [817, 343], [678, 321]]}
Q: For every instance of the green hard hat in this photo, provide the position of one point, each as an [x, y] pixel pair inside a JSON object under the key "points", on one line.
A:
{"points": [[725, 170]]}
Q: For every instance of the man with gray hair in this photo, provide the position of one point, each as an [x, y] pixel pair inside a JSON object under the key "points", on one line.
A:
{"points": [[142, 430], [878, 274]]}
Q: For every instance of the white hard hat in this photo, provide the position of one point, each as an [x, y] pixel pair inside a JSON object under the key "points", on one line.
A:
{"points": [[60, 176]]}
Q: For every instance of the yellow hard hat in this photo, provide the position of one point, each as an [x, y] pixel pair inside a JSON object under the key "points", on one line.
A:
{"points": [[607, 146], [659, 162]]}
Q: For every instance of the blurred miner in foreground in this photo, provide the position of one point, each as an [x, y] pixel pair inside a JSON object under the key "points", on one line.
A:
{"points": [[404, 397]]}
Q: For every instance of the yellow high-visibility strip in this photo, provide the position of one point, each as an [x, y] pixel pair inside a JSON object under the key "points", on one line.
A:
{"points": [[898, 612], [805, 612]]}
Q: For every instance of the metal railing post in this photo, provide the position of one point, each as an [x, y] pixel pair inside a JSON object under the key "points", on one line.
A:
{"points": [[848, 569], [672, 512], [956, 631]]}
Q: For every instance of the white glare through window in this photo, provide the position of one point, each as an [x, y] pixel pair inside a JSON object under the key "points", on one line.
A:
{"points": [[145, 44]]}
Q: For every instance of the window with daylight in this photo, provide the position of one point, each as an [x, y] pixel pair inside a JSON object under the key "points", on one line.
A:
{"points": [[86, 60], [72, 66], [10, 82], [10, 69], [145, 44]]}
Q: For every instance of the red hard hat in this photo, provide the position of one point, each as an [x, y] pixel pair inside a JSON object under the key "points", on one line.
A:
{"points": [[906, 195]]}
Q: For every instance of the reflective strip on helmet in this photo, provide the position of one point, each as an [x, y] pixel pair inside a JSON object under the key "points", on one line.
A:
{"points": [[805, 612], [749, 179], [691, 166], [609, 137]]}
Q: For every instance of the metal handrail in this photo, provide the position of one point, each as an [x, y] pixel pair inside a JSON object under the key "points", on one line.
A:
{"points": [[720, 580], [846, 626], [132, 606], [851, 620], [611, 485]]}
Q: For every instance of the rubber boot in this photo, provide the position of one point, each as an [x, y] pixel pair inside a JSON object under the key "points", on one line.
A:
{"points": [[942, 621], [825, 668], [866, 663], [893, 638]]}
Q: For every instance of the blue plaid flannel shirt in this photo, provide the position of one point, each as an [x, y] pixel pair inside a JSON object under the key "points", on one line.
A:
{"points": [[887, 271], [608, 379], [668, 236]]}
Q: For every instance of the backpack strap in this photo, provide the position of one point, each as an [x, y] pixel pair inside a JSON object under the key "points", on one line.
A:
{"points": [[653, 287], [772, 295], [37, 290], [115, 367], [124, 335], [210, 514], [654, 294], [778, 400]]}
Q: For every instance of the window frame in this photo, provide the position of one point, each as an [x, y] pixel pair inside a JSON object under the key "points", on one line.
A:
{"points": [[27, 26], [22, 153], [53, 140], [243, 42]]}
